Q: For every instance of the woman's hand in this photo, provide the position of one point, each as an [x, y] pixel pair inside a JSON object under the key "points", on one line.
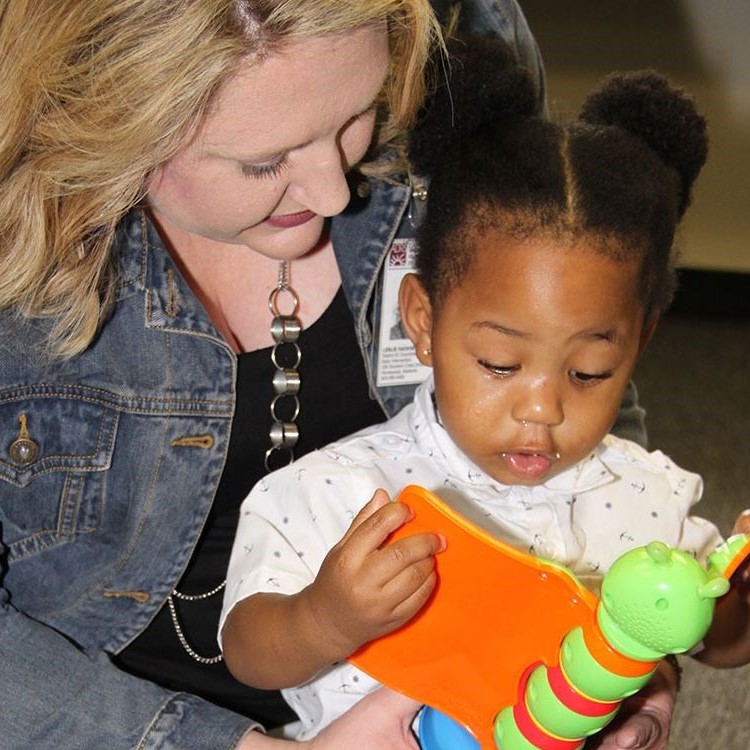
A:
{"points": [[380, 721], [644, 720], [366, 588]]}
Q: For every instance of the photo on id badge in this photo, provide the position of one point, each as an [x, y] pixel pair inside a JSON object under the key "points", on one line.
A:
{"points": [[397, 361]]}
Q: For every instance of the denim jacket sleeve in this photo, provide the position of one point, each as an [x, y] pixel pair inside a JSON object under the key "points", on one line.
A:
{"points": [[56, 696], [99, 518]]}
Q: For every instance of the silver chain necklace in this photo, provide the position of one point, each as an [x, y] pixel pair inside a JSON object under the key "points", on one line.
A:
{"points": [[178, 628], [284, 433]]}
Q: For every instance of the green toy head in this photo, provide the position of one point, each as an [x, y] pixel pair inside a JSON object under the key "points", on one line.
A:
{"points": [[656, 600]]}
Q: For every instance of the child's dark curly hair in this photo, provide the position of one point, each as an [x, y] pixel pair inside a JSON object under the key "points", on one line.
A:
{"points": [[620, 175]]}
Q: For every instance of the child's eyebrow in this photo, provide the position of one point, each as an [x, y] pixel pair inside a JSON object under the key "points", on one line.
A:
{"points": [[610, 335], [481, 324]]}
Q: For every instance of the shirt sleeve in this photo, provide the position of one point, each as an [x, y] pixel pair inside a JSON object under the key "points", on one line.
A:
{"points": [[70, 697], [289, 522], [699, 537]]}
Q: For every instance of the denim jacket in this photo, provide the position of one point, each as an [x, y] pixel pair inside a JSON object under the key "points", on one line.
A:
{"points": [[108, 467]]}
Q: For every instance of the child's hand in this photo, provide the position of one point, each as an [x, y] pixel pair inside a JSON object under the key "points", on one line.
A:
{"points": [[742, 524], [366, 588], [727, 643], [742, 576]]}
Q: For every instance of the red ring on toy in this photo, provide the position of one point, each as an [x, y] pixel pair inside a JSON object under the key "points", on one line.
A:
{"points": [[534, 734], [575, 701]]}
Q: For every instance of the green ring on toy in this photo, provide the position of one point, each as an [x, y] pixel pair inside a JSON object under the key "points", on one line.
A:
{"points": [[553, 716]]}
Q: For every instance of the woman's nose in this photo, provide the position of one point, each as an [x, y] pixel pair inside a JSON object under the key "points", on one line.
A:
{"points": [[321, 185]]}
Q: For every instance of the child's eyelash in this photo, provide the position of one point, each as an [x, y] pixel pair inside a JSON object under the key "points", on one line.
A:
{"points": [[501, 370], [259, 171], [589, 378]]}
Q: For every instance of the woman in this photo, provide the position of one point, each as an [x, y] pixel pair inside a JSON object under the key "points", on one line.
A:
{"points": [[162, 164]]}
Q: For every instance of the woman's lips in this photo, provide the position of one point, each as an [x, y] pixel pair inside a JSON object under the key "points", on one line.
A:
{"points": [[528, 465], [286, 221]]}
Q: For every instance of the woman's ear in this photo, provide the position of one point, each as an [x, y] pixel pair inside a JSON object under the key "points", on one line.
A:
{"points": [[416, 316]]}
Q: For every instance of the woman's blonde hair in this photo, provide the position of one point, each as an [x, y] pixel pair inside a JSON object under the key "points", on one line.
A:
{"points": [[94, 94]]}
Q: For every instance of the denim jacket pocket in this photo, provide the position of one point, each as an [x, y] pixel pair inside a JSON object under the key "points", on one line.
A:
{"points": [[54, 452]]}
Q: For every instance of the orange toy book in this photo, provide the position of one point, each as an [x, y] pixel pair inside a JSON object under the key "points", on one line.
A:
{"points": [[466, 651], [497, 612]]}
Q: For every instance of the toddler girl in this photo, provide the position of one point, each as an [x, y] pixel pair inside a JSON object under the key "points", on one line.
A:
{"points": [[544, 262]]}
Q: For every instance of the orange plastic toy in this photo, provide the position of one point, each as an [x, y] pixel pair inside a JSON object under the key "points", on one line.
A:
{"points": [[495, 611]]}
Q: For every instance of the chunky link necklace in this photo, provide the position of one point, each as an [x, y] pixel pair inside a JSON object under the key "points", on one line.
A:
{"points": [[285, 330], [284, 433]]}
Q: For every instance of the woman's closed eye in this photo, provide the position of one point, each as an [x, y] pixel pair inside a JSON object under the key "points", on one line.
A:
{"points": [[269, 169]]}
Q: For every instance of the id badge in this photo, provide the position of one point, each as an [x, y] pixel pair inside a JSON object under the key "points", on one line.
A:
{"points": [[397, 360]]}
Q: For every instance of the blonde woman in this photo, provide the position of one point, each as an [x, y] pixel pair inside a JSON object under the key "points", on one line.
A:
{"points": [[175, 320]]}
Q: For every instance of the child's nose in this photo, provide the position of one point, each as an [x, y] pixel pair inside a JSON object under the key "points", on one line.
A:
{"points": [[540, 403]]}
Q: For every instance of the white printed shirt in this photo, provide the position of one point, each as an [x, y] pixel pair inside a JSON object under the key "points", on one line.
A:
{"points": [[619, 497]]}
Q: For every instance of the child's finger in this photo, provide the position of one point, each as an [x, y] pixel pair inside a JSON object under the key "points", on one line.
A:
{"points": [[407, 556], [413, 588], [742, 524], [379, 500], [370, 531]]}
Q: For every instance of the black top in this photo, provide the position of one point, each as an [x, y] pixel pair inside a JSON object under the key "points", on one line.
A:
{"points": [[334, 401]]}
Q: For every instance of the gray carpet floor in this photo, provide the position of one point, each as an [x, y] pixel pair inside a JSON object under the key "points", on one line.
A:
{"points": [[693, 382]]}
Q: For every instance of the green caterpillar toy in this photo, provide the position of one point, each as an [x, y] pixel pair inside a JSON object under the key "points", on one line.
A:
{"points": [[655, 600]]}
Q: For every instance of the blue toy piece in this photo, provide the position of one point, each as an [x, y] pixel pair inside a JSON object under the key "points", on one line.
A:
{"points": [[439, 732]]}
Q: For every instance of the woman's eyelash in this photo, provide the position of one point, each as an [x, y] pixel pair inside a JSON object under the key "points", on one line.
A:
{"points": [[258, 171]]}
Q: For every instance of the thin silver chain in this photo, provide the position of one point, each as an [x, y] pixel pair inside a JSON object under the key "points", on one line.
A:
{"points": [[285, 329], [178, 628]]}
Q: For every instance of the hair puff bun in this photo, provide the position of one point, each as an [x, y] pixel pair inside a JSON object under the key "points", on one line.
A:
{"points": [[483, 84], [650, 107]]}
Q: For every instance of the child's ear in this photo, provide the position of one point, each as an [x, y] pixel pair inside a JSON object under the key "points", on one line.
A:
{"points": [[648, 331], [416, 316]]}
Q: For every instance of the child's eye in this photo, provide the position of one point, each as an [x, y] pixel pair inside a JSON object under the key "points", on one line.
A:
{"points": [[258, 171], [588, 378], [502, 371]]}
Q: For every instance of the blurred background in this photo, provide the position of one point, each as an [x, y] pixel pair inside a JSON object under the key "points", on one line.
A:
{"points": [[701, 44], [693, 378]]}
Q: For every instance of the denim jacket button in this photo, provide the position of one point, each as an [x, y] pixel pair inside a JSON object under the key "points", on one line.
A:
{"points": [[24, 451]]}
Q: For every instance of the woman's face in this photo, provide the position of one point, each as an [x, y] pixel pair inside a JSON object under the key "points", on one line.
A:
{"points": [[268, 164]]}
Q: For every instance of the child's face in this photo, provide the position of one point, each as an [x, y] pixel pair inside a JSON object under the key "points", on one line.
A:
{"points": [[532, 353]]}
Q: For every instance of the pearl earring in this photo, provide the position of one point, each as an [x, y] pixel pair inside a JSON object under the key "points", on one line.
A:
{"points": [[426, 352]]}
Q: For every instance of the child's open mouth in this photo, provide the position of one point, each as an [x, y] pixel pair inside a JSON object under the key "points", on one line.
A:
{"points": [[529, 465]]}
